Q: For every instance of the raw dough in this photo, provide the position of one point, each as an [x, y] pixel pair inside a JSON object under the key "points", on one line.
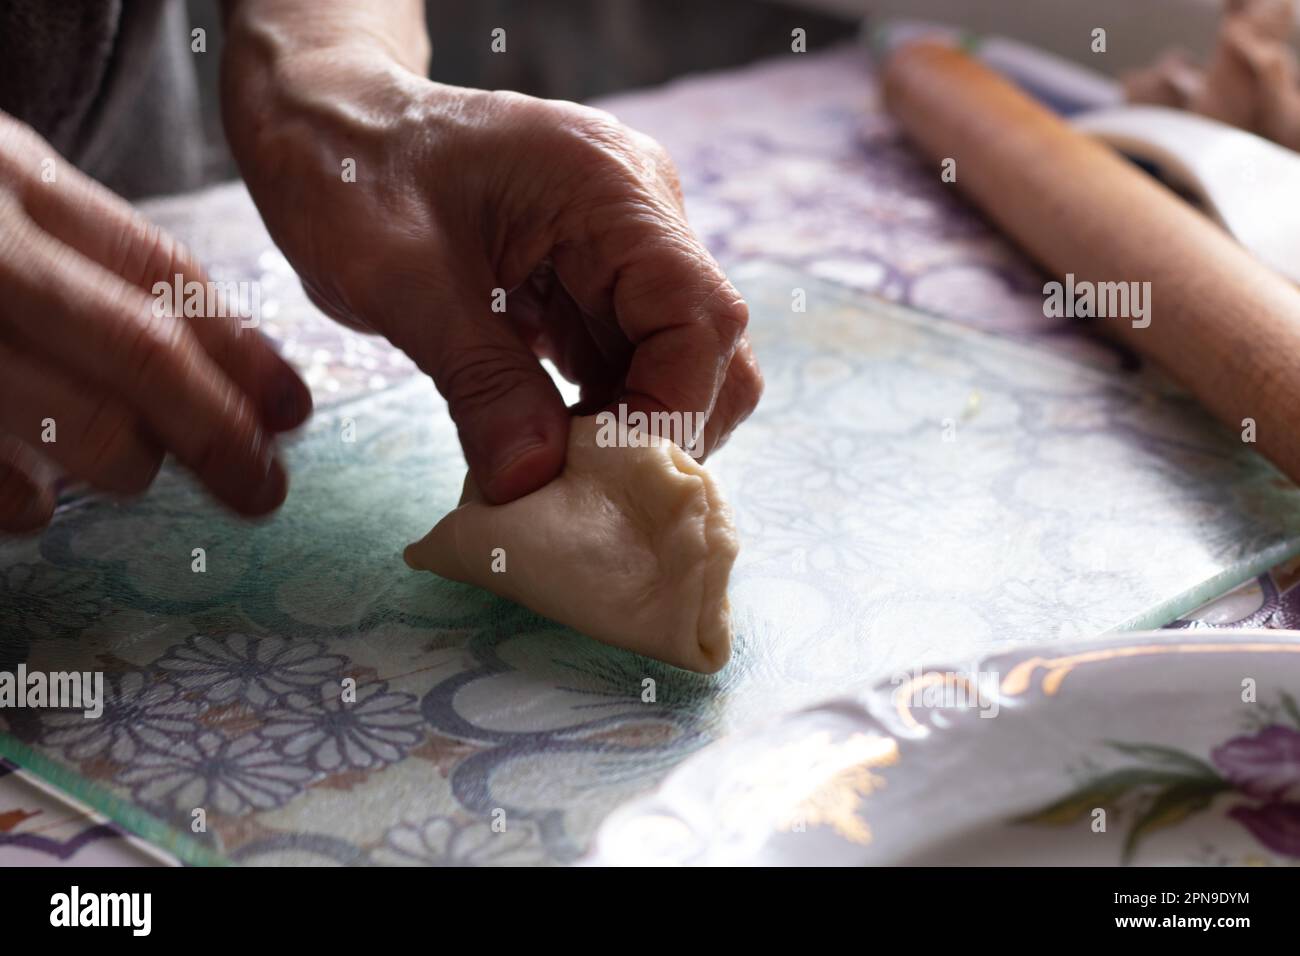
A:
{"points": [[631, 546]]}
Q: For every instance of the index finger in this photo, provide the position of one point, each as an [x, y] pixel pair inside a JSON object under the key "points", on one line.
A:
{"points": [[685, 321]]}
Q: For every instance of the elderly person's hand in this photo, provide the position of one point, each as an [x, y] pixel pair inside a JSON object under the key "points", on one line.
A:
{"points": [[93, 378], [411, 208]]}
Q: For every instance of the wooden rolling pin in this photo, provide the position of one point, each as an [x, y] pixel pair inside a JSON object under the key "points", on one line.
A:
{"points": [[1222, 324]]}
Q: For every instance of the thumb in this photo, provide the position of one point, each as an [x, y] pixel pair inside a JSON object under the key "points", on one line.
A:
{"points": [[512, 422]]}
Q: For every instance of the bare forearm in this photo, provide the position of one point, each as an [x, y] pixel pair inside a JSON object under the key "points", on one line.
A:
{"points": [[305, 83], [289, 27], [305, 58]]}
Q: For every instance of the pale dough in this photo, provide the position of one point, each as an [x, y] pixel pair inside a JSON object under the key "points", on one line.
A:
{"points": [[631, 546]]}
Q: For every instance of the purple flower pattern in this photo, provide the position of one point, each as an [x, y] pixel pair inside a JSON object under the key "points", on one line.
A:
{"points": [[1167, 785], [217, 775], [253, 670], [1264, 765], [139, 715], [445, 841], [1276, 825], [332, 732]]}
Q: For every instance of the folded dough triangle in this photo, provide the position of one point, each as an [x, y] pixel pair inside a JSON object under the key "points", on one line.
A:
{"points": [[630, 545]]}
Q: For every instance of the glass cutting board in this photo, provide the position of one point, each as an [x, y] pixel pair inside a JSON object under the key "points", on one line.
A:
{"points": [[909, 491]]}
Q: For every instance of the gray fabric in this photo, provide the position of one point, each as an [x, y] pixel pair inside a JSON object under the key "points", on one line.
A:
{"points": [[110, 83]]}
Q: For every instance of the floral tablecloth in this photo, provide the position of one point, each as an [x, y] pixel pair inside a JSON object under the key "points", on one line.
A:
{"points": [[225, 683]]}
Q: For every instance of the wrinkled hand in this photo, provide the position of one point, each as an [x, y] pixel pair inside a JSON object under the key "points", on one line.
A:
{"points": [[458, 193], [91, 380]]}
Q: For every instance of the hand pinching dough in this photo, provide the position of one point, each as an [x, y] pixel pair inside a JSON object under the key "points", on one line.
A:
{"points": [[631, 546]]}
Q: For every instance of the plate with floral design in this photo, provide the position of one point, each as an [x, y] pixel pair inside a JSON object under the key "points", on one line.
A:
{"points": [[1150, 748]]}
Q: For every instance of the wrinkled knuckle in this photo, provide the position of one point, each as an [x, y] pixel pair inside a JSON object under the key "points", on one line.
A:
{"points": [[146, 252], [146, 348], [600, 126], [479, 377], [730, 312], [598, 137]]}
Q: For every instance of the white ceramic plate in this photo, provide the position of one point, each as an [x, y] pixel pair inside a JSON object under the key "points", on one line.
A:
{"points": [[1154, 748]]}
